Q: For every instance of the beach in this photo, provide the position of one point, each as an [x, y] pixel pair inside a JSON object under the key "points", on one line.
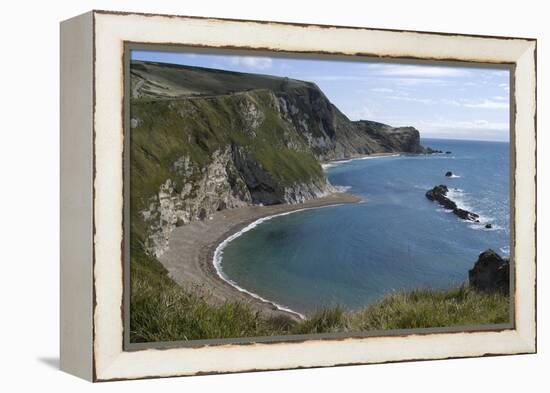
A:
{"points": [[189, 258]]}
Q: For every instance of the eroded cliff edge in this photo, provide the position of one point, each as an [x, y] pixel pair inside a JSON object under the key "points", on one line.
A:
{"points": [[205, 140]]}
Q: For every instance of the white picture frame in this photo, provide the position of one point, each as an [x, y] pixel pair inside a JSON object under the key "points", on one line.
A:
{"points": [[92, 194]]}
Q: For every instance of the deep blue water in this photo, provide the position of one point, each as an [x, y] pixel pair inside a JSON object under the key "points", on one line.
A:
{"points": [[397, 239]]}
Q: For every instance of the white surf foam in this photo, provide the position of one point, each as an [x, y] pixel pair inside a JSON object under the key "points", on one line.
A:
{"points": [[460, 198], [332, 164], [342, 188], [480, 226], [374, 157], [218, 257]]}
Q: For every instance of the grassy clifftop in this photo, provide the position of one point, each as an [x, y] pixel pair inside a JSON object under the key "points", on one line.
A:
{"points": [[151, 80], [328, 133]]}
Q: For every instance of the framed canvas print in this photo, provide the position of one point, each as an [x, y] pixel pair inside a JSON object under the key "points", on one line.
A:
{"points": [[245, 195]]}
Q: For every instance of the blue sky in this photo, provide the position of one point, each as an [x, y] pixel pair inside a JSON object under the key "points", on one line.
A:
{"points": [[440, 101]]}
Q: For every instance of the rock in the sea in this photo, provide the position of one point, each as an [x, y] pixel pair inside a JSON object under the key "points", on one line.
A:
{"points": [[429, 150], [449, 174], [466, 215], [439, 194], [490, 273], [488, 226], [448, 152]]}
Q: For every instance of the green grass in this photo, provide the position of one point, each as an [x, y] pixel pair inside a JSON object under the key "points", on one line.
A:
{"points": [[424, 308], [189, 80], [160, 310], [163, 311], [420, 308]]}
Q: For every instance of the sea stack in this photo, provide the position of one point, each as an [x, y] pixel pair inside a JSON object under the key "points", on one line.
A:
{"points": [[449, 174]]}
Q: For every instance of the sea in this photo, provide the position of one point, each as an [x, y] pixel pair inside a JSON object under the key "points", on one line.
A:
{"points": [[396, 239]]}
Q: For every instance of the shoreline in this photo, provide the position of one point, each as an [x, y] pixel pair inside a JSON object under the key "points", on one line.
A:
{"points": [[336, 162], [190, 259], [218, 253]]}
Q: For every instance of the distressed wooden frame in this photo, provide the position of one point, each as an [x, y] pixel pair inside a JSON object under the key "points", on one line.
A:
{"points": [[92, 220]]}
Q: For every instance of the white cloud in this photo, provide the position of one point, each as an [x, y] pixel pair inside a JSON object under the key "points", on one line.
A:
{"points": [[382, 90], [285, 66], [363, 113], [487, 104], [498, 103], [427, 101], [410, 71], [463, 129], [452, 125], [505, 86], [331, 78], [451, 102], [258, 63], [400, 75], [407, 82]]}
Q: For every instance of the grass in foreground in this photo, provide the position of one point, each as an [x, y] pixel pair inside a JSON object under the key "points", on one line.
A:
{"points": [[421, 308], [176, 315], [163, 311]]}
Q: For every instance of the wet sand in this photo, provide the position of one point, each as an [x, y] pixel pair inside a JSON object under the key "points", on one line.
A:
{"points": [[191, 250]]}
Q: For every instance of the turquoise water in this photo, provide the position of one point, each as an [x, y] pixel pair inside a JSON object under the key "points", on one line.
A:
{"points": [[397, 239]]}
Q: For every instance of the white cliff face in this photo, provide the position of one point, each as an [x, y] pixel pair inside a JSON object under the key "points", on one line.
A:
{"points": [[252, 116], [301, 122], [218, 188], [299, 193]]}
